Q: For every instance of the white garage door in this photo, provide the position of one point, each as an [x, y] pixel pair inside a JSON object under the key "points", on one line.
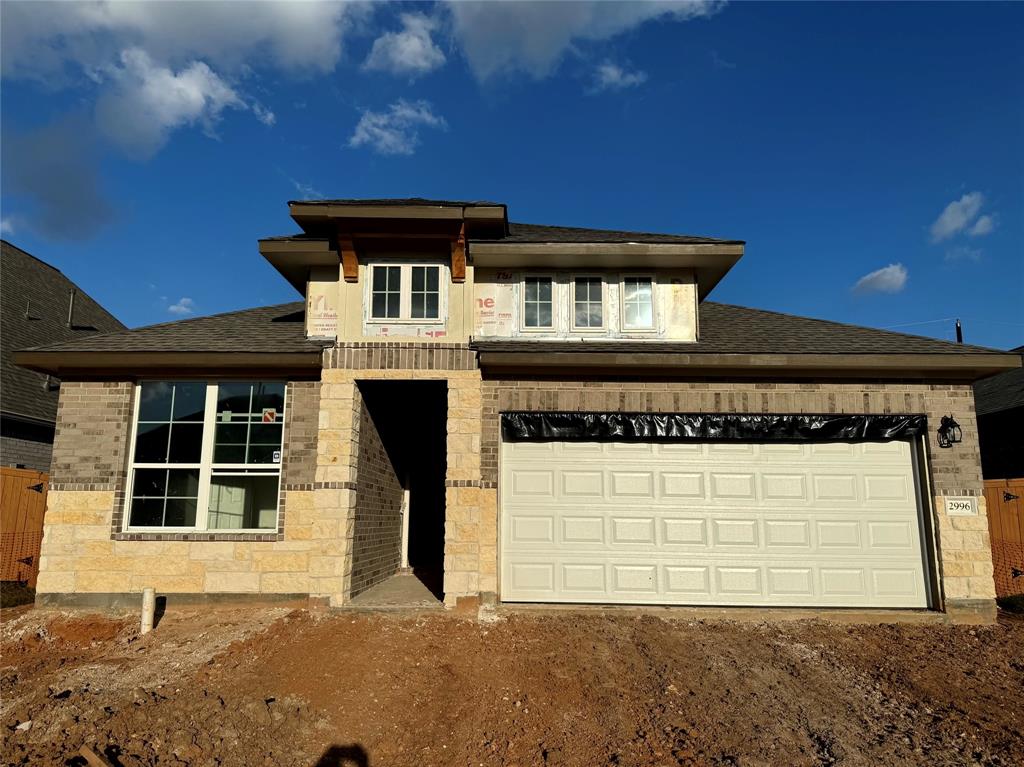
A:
{"points": [[824, 524]]}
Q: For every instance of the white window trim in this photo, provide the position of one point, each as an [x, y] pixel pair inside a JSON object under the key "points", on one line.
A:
{"points": [[603, 327], [654, 301], [405, 296], [555, 291], [206, 466]]}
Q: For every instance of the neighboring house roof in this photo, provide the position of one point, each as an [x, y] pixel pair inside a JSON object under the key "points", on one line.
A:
{"points": [[34, 301], [574, 234], [266, 329], [728, 329], [1000, 392]]}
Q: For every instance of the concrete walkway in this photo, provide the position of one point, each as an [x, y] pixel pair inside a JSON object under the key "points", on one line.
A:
{"points": [[403, 591]]}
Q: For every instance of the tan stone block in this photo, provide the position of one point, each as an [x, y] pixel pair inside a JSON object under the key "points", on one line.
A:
{"points": [[143, 548], [982, 568], [297, 532], [326, 566], [55, 582], [969, 523], [956, 587], [102, 581], [974, 541], [982, 587], [58, 534], [957, 568], [488, 582], [326, 587], [243, 551], [207, 550], [104, 549], [296, 500], [326, 529], [227, 566], [281, 561], [284, 583], [227, 582], [91, 532], [168, 584], [165, 565]]}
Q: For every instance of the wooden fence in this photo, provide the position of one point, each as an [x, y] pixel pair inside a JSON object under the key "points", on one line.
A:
{"points": [[1004, 501], [22, 503]]}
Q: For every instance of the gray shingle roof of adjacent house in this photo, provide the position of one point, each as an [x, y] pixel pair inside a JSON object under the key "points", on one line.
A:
{"points": [[1001, 392], [268, 329], [725, 329], [574, 234], [34, 300]]}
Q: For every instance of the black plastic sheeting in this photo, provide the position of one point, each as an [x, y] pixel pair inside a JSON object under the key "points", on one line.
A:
{"points": [[679, 427]]}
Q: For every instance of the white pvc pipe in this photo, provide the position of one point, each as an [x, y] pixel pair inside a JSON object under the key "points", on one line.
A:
{"points": [[405, 528], [148, 609]]}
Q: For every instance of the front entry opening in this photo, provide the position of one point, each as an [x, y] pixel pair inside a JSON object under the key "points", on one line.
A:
{"points": [[411, 418]]}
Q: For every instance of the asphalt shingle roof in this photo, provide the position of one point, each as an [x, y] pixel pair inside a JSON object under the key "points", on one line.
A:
{"points": [[400, 202], [728, 329], [1000, 392], [725, 329], [34, 299], [574, 234], [280, 328]]}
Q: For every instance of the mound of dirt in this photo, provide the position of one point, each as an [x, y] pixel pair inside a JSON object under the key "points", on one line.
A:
{"points": [[271, 687]]}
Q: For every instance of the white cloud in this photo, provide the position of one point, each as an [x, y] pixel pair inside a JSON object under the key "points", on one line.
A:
{"points": [[611, 77], [963, 253], [409, 52], [41, 40], [532, 37], [888, 279], [984, 225], [307, 191], [7, 225], [148, 101], [396, 130], [957, 216], [184, 306]]}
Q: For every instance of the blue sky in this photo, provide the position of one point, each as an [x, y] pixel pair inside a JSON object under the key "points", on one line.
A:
{"points": [[871, 155]]}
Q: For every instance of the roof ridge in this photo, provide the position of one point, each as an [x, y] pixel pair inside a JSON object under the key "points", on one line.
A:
{"points": [[836, 323], [129, 331]]}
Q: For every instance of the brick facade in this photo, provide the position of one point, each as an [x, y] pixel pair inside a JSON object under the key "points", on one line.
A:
{"points": [[25, 445], [340, 527], [377, 517]]}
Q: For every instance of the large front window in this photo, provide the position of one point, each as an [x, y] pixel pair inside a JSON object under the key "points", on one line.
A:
{"points": [[588, 303], [405, 292], [207, 456]]}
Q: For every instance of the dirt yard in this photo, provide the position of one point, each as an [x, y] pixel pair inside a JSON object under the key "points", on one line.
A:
{"points": [[279, 687]]}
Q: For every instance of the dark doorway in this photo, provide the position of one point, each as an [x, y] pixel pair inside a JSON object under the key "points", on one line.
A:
{"points": [[411, 418]]}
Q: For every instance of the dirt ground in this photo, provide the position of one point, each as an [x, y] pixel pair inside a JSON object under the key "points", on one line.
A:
{"points": [[280, 687]]}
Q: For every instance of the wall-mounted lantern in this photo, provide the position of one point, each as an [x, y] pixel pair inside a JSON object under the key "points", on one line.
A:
{"points": [[949, 432]]}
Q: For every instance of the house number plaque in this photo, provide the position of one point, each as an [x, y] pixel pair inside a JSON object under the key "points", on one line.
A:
{"points": [[961, 505]]}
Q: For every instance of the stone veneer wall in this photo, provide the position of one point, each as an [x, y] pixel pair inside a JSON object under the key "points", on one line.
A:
{"points": [[84, 551], [965, 558], [470, 515], [377, 517]]}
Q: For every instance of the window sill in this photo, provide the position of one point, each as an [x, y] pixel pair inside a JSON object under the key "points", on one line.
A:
{"points": [[194, 535]]}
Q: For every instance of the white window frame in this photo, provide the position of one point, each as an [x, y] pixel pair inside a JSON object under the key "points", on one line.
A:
{"points": [[603, 327], [405, 294], [654, 302], [554, 303], [206, 466]]}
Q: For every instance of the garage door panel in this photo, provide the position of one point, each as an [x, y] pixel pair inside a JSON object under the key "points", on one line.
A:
{"points": [[731, 524]]}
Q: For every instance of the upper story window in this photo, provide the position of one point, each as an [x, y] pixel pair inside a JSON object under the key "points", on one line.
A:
{"points": [[207, 456], [537, 302], [588, 302], [637, 303], [405, 292]]}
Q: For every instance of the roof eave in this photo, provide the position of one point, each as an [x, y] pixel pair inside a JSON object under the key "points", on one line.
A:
{"points": [[968, 367], [142, 363], [294, 259], [710, 261]]}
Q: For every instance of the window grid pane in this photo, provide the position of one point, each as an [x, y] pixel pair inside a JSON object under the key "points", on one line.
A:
{"points": [[426, 292], [537, 308], [638, 302], [589, 306], [387, 292]]}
